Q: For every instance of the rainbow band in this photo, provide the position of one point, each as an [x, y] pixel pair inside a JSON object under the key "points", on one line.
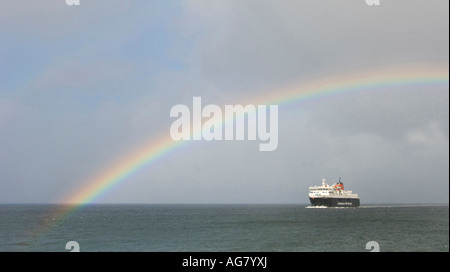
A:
{"points": [[163, 145], [119, 172]]}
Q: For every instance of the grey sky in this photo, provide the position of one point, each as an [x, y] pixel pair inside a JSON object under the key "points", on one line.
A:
{"points": [[80, 87]]}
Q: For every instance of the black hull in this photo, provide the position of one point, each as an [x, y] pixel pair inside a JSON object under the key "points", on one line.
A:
{"points": [[335, 202]]}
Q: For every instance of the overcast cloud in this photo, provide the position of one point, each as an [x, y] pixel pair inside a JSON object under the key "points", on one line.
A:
{"points": [[82, 86]]}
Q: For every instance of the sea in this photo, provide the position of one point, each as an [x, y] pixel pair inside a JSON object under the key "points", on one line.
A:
{"points": [[223, 228]]}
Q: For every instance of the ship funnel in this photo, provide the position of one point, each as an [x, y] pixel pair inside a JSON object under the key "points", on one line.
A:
{"points": [[340, 184], [323, 181]]}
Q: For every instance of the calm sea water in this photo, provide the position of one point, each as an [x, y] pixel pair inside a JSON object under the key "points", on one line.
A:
{"points": [[224, 228]]}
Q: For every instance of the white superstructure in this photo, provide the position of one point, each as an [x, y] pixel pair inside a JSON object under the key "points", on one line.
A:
{"points": [[334, 191]]}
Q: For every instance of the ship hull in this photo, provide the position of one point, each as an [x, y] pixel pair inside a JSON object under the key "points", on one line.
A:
{"points": [[334, 202]]}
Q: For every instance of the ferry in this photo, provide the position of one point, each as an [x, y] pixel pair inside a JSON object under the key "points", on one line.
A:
{"points": [[332, 195]]}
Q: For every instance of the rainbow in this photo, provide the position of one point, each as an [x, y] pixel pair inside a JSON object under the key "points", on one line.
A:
{"points": [[162, 146]]}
